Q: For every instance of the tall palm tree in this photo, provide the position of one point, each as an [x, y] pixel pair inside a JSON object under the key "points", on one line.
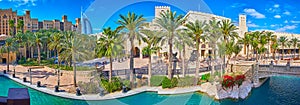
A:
{"points": [[246, 41], [282, 41], [298, 49], [152, 39], [274, 47], [132, 23], [9, 46], [56, 44], [262, 42], [294, 42], [74, 49], [11, 24], [197, 29], [269, 36], [108, 45], [38, 37], [20, 38], [30, 42], [228, 30], [255, 40], [20, 25], [169, 22], [183, 41]]}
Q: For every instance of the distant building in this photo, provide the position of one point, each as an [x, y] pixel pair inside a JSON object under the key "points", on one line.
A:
{"points": [[33, 24]]}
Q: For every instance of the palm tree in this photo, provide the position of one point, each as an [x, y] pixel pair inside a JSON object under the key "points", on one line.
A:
{"points": [[197, 29], [56, 44], [151, 38], [298, 49], [274, 47], [9, 47], [294, 42], [169, 22], [20, 25], [11, 24], [183, 40], [38, 37], [132, 22], [74, 48], [269, 36], [20, 38], [228, 30], [30, 42], [246, 41], [282, 41], [255, 40], [108, 45], [262, 42]]}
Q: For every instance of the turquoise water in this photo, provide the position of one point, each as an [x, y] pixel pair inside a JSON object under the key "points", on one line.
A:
{"points": [[281, 90]]}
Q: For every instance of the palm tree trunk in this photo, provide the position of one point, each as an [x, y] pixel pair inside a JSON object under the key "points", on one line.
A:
{"points": [[25, 48], [74, 69], [39, 54], [170, 59], [149, 70], [32, 51], [183, 60], [131, 65], [247, 52], [213, 67], [7, 63], [294, 52], [58, 60], [110, 70], [282, 51], [197, 62]]}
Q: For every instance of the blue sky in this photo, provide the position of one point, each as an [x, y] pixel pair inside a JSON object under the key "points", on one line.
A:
{"points": [[276, 15]]}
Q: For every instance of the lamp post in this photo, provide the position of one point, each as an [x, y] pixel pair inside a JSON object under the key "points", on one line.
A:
{"points": [[175, 60], [15, 64]]}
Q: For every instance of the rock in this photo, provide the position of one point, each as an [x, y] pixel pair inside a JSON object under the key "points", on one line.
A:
{"points": [[234, 93], [204, 87], [244, 90], [211, 90]]}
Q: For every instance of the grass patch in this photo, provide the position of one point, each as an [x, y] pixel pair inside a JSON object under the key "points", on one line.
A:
{"points": [[156, 80]]}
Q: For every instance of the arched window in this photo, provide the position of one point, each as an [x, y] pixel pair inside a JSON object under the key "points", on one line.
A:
{"points": [[203, 46]]}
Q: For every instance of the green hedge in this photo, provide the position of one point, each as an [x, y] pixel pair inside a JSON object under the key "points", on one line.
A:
{"points": [[169, 83], [112, 86], [156, 80], [186, 81], [205, 77]]}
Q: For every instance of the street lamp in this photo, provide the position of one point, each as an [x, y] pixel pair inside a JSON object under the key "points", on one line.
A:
{"points": [[14, 64], [175, 60]]}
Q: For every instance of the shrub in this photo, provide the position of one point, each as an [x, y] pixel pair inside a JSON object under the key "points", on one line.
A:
{"points": [[205, 76], [239, 79], [186, 81], [228, 81], [156, 80], [126, 83], [166, 83], [88, 87], [112, 86], [174, 82]]}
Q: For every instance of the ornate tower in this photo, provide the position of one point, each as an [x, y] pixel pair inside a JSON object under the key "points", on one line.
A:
{"points": [[242, 25], [159, 9]]}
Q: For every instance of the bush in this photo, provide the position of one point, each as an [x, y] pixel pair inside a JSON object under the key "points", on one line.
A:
{"points": [[166, 83], [228, 81], [174, 82], [186, 81], [205, 77], [126, 83], [156, 80], [239, 79], [112, 86], [88, 87]]}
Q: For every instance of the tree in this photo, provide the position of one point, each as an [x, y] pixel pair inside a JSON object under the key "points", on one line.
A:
{"points": [[197, 29], [56, 44], [38, 37], [21, 39], [294, 43], [183, 40], [299, 49], [12, 29], [228, 30], [152, 39], [246, 40], [20, 25], [108, 45], [169, 22], [132, 23], [282, 41], [269, 36], [9, 46]]}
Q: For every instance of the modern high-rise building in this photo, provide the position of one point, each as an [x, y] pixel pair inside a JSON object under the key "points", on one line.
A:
{"points": [[32, 24]]}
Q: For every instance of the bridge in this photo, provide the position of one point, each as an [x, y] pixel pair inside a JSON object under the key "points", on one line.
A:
{"points": [[263, 70]]}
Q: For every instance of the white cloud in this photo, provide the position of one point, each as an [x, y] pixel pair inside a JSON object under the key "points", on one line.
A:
{"points": [[254, 13], [273, 25], [277, 16], [293, 21], [276, 5], [23, 2], [286, 21], [237, 5], [287, 27], [287, 13]]}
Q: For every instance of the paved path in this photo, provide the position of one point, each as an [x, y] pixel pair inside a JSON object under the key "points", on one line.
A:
{"points": [[115, 95]]}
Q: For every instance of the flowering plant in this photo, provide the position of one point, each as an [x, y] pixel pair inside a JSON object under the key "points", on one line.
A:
{"points": [[239, 79], [228, 81]]}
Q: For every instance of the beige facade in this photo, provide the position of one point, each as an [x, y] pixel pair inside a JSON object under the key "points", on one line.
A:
{"points": [[31, 24]]}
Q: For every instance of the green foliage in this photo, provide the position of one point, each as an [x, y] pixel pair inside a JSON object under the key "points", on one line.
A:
{"points": [[174, 82], [186, 81], [112, 86], [88, 87], [156, 80], [126, 83], [205, 77], [166, 83]]}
